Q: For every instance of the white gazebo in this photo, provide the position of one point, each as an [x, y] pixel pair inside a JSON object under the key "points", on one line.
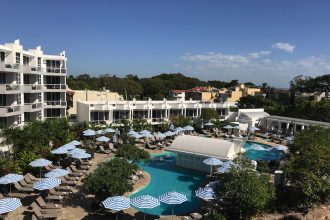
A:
{"points": [[192, 150]]}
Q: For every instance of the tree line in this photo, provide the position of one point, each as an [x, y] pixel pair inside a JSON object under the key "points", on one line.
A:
{"points": [[155, 87]]}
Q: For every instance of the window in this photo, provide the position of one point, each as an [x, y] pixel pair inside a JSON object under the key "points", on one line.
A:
{"points": [[26, 79], [18, 99], [26, 60], [39, 97], [39, 61], [2, 100], [18, 58], [99, 116], [51, 113], [3, 122], [18, 78], [2, 56], [39, 79], [2, 78]]}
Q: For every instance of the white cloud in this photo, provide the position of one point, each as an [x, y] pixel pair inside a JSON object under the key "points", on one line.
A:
{"points": [[257, 67], [284, 46]]}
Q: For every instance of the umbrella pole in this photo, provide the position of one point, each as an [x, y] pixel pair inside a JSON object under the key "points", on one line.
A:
{"points": [[10, 189], [145, 214], [116, 215], [40, 172], [172, 213]]}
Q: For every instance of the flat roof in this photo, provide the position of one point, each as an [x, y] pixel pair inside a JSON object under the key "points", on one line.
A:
{"points": [[208, 147], [299, 120]]}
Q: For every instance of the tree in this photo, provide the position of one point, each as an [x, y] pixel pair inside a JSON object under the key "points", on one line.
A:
{"points": [[306, 175], [110, 178], [180, 121], [131, 152], [245, 192], [208, 114]]}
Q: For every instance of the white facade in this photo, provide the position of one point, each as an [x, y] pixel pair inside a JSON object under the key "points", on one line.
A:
{"points": [[32, 84], [153, 111]]}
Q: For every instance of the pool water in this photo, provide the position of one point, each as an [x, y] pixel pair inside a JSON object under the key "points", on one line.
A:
{"points": [[165, 177], [261, 154]]}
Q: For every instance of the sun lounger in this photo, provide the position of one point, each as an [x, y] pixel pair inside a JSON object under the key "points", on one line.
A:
{"points": [[22, 189], [74, 169], [12, 194], [53, 166], [41, 202], [68, 182], [71, 178], [53, 192], [64, 188], [75, 174], [33, 178], [56, 198], [86, 162], [35, 206], [24, 184], [112, 148], [45, 214]]}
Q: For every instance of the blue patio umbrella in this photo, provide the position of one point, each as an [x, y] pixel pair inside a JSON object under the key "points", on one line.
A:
{"points": [[88, 130], [206, 193], [212, 162], [144, 132], [40, 163], [46, 183], [89, 133], [57, 173], [131, 132], [81, 155], [109, 130], [169, 133], [209, 124], [254, 129], [188, 128], [68, 146], [11, 178], [179, 129], [136, 136], [9, 205], [75, 143], [228, 127], [103, 139], [116, 203], [226, 166], [98, 132], [145, 202], [77, 150], [173, 198], [60, 150]]}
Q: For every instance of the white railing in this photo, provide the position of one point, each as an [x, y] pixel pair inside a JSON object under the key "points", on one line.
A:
{"points": [[32, 106], [9, 109], [54, 86], [55, 70], [55, 103]]}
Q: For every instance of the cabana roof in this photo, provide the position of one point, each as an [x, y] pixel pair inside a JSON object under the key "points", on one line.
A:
{"points": [[208, 147]]}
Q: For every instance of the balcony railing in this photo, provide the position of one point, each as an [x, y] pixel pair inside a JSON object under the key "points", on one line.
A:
{"points": [[12, 66], [55, 86], [55, 70], [9, 109], [32, 106], [11, 87], [36, 69], [55, 103]]}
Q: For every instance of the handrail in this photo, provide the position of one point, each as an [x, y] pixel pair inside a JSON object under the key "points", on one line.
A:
{"points": [[55, 103], [10, 109], [55, 86], [55, 70]]}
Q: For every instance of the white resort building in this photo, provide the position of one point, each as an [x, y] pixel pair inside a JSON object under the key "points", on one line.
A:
{"points": [[192, 150], [32, 84], [153, 111]]}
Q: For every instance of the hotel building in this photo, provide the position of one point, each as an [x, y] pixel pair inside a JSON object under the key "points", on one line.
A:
{"points": [[153, 111], [32, 84]]}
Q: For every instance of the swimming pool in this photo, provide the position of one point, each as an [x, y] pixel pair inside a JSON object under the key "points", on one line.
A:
{"points": [[261, 154], [165, 177]]}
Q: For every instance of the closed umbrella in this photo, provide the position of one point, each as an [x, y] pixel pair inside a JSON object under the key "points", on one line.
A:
{"points": [[57, 173], [116, 203], [11, 178], [40, 163], [103, 139], [206, 193], [145, 202], [173, 198], [9, 205], [212, 162], [46, 183]]}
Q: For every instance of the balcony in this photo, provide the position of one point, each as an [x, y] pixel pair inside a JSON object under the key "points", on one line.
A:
{"points": [[54, 86], [9, 67], [55, 104], [6, 111], [56, 70], [32, 107], [32, 88], [10, 88]]}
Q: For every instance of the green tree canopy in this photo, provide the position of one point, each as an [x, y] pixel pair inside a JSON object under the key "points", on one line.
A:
{"points": [[208, 114], [245, 192], [180, 121], [110, 178], [131, 152], [307, 172]]}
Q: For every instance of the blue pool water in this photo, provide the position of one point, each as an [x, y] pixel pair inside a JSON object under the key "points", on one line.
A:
{"points": [[261, 155], [165, 177]]}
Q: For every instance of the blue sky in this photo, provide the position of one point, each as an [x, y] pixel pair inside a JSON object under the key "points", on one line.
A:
{"points": [[222, 40]]}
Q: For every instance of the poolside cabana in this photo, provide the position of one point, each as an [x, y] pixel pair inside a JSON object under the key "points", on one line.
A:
{"points": [[192, 150]]}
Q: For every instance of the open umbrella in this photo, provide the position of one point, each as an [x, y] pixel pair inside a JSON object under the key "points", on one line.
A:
{"points": [[212, 162], [40, 163], [89, 133], [206, 193], [103, 139], [109, 130], [68, 146], [173, 198], [88, 130], [46, 183], [116, 203], [75, 143], [188, 128], [57, 173], [11, 178], [225, 167], [254, 129], [169, 133], [9, 205], [145, 202], [228, 127], [60, 150], [77, 150], [81, 155], [179, 129], [209, 124]]}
